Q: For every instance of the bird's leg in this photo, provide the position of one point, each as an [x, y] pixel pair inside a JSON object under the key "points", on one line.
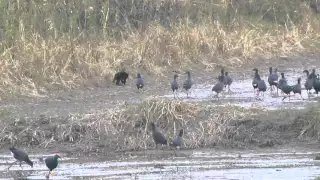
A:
{"points": [[258, 93], [21, 166], [284, 97], [229, 90], [11, 165], [174, 151]]}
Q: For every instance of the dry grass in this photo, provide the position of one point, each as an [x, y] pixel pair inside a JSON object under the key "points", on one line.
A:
{"points": [[126, 128], [60, 44], [310, 123]]}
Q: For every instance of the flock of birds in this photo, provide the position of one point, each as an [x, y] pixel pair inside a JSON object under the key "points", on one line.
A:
{"points": [[225, 81]]}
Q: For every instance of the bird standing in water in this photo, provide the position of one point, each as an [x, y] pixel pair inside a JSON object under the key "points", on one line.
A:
{"points": [[218, 88], [255, 80], [296, 89], [20, 157], [187, 83], [228, 81], [174, 85], [272, 79], [51, 163]]}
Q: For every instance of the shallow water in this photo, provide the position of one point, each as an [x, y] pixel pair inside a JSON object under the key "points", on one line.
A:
{"points": [[242, 93], [204, 164]]}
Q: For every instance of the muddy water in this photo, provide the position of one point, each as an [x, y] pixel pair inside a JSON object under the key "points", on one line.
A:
{"points": [[242, 93], [206, 164]]}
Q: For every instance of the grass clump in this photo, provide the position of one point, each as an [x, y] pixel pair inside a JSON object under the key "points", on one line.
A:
{"points": [[59, 44]]}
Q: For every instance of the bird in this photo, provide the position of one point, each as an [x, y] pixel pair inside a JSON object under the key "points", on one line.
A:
{"points": [[296, 89], [286, 89], [177, 141], [222, 76], [262, 87], [218, 88], [175, 85], [52, 163], [272, 79], [316, 84], [282, 81], [256, 79], [309, 82], [20, 157], [228, 80], [313, 74], [157, 136], [139, 82], [121, 76], [187, 83]]}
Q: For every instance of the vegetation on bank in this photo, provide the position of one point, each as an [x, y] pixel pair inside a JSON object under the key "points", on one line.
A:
{"points": [[127, 128], [59, 44]]}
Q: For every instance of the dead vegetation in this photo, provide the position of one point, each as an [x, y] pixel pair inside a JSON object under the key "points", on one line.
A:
{"points": [[126, 128], [47, 45]]}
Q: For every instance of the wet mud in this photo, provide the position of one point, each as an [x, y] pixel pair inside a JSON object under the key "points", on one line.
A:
{"points": [[285, 164]]}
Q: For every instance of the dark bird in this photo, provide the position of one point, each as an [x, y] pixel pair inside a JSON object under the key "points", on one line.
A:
{"points": [[272, 79], [262, 87], [228, 80], [177, 141], [222, 76], [316, 84], [187, 83], [175, 85], [286, 89], [296, 89], [218, 88], [139, 82], [20, 157], [121, 76], [313, 74], [255, 80], [157, 136], [309, 82], [282, 81], [52, 163]]}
